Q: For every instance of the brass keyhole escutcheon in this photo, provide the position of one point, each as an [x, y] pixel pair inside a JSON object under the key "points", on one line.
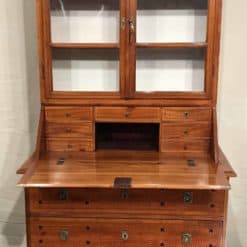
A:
{"points": [[64, 235], [186, 238], [124, 235], [188, 197]]}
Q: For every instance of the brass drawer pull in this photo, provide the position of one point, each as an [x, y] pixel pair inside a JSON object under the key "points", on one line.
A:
{"points": [[64, 235], [124, 235], [60, 161], [186, 238], [188, 197], [63, 195]]}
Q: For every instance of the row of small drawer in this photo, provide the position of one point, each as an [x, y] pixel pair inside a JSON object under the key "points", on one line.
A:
{"points": [[68, 232], [127, 114], [72, 128], [85, 202], [69, 129]]}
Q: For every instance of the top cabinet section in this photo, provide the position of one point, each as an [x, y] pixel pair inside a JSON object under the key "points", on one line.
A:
{"points": [[87, 21], [172, 20]]}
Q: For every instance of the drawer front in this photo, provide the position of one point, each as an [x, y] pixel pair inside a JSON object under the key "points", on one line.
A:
{"points": [[68, 114], [186, 130], [127, 114], [86, 202], [56, 232], [186, 114], [70, 130], [185, 146], [69, 145]]}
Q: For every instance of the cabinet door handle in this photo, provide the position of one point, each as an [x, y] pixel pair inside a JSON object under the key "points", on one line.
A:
{"points": [[131, 29]]}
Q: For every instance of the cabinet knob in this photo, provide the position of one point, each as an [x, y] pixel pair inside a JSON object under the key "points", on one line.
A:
{"points": [[64, 235], [67, 114], [186, 238], [68, 130], [186, 114], [124, 235]]}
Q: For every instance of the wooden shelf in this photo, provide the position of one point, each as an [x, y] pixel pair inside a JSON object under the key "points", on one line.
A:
{"points": [[172, 45], [85, 45]]}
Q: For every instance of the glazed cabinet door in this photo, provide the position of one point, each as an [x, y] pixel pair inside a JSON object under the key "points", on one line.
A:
{"points": [[84, 43], [170, 46]]}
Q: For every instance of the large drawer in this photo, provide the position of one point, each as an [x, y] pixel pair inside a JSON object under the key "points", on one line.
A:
{"points": [[127, 114], [68, 114], [130, 203], [186, 114], [51, 232], [82, 130]]}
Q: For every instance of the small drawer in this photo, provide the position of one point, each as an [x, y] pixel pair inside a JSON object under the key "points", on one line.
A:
{"points": [[57, 232], [127, 114], [68, 114], [82, 130], [185, 130], [130, 202], [69, 145], [185, 146], [186, 114]]}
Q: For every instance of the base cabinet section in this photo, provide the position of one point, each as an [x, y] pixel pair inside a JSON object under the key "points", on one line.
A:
{"points": [[71, 232]]}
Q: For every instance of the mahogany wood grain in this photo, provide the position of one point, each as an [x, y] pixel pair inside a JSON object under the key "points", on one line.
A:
{"points": [[82, 130], [69, 145], [128, 114], [186, 130], [191, 145], [186, 114], [127, 203], [101, 232], [147, 169], [68, 114], [85, 45]]}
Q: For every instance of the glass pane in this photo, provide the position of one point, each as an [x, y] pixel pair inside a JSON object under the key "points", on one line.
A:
{"points": [[172, 20], [86, 70], [170, 70], [84, 21]]}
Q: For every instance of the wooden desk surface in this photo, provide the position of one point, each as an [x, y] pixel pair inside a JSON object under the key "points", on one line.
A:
{"points": [[147, 170]]}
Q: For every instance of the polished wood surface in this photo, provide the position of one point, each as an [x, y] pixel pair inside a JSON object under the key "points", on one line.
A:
{"points": [[101, 232], [179, 176], [127, 203], [147, 170]]}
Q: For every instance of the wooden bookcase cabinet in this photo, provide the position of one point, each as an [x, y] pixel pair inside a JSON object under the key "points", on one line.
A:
{"points": [[127, 150]]}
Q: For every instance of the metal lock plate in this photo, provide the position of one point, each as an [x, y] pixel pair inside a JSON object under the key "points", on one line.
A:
{"points": [[122, 183], [125, 235], [64, 235], [186, 238], [188, 197], [63, 195]]}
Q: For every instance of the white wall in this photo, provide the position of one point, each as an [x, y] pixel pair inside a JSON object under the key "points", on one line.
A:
{"points": [[19, 106], [232, 112]]}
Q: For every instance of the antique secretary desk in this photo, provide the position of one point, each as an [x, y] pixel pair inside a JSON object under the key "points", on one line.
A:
{"points": [[127, 151]]}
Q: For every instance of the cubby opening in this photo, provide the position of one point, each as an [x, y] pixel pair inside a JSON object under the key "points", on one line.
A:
{"points": [[127, 136]]}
